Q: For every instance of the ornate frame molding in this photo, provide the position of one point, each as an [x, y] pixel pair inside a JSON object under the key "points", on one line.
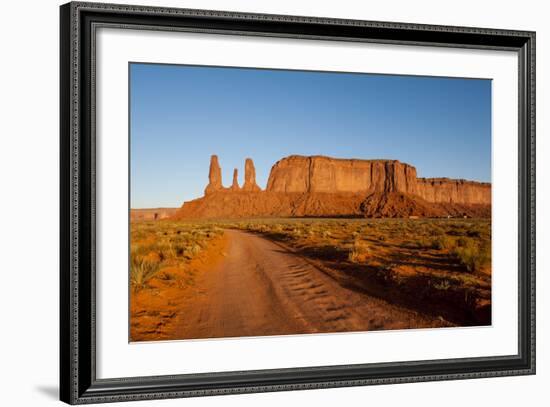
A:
{"points": [[78, 380]]}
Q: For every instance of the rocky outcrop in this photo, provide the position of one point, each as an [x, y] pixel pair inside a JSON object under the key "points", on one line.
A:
{"points": [[250, 177], [235, 184], [445, 190], [226, 205], [325, 174], [324, 186], [214, 176], [243, 204]]}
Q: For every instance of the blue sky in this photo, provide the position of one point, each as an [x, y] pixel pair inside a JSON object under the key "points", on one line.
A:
{"points": [[181, 115]]}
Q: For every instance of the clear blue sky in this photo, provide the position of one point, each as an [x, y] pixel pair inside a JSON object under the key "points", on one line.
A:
{"points": [[181, 115]]}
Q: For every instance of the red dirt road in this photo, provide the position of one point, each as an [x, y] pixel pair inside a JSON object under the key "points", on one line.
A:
{"points": [[261, 288]]}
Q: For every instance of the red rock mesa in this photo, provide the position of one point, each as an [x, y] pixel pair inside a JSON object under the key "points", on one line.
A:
{"points": [[324, 186]]}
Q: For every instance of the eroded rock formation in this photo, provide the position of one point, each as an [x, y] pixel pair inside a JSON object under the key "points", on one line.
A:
{"points": [[250, 176], [331, 175], [235, 184], [324, 186], [214, 176]]}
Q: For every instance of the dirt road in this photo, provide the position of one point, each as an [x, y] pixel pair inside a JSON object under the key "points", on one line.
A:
{"points": [[261, 288]]}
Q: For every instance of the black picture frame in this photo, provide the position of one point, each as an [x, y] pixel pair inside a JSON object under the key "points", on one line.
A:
{"points": [[78, 382]]}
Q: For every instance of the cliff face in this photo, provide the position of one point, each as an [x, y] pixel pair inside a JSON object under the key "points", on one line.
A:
{"points": [[324, 186], [324, 174], [453, 191]]}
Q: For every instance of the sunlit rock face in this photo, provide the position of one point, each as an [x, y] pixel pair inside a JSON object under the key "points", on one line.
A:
{"points": [[325, 174], [250, 176], [235, 184], [325, 186], [214, 176]]}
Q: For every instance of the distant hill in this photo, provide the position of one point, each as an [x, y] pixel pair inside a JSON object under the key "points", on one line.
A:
{"points": [[137, 215]]}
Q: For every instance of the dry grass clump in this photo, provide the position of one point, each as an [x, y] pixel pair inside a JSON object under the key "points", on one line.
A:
{"points": [[418, 243], [141, 270], [155, 245], [443, 242], [359, 251], [472, 255]]}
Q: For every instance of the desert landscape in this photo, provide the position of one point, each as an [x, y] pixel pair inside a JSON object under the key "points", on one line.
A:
{"points": [[330, 245]]}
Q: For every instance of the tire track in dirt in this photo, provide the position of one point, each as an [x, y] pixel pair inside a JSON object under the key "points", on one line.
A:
{"points": [[261, 288]]}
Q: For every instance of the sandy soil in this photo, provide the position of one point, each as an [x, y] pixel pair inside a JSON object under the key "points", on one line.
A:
{"points": [[258, 287], [155, 309]]}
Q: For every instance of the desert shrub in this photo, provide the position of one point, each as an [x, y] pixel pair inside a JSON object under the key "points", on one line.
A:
{"points": [[443, 242], [199, 234], [474, 233], [141, 270], [442, 285], [178, 249], [260, 228], [358, 252], [386, 274], [420, 243], [472, 256], [165, 276], [140, 249], [436, 231], [191, 251], [165, 250], [462, 242], [216, 231]]}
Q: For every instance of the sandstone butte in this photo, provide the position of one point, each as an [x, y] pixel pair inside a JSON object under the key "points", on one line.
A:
{"points": [[319, 186]]}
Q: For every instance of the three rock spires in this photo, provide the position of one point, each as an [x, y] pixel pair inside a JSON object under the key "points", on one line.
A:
{"points": [[215, 177]]}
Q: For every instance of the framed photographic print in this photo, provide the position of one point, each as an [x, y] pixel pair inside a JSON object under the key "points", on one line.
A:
{"points": [[256, 203]]}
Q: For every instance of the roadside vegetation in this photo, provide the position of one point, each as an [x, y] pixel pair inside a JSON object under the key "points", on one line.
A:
{"points": [[156, 246], [438, 266]]}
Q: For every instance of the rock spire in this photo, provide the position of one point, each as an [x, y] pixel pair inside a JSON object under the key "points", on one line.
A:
{"points": [[250, 176], [214, 176], [235, 184]]}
